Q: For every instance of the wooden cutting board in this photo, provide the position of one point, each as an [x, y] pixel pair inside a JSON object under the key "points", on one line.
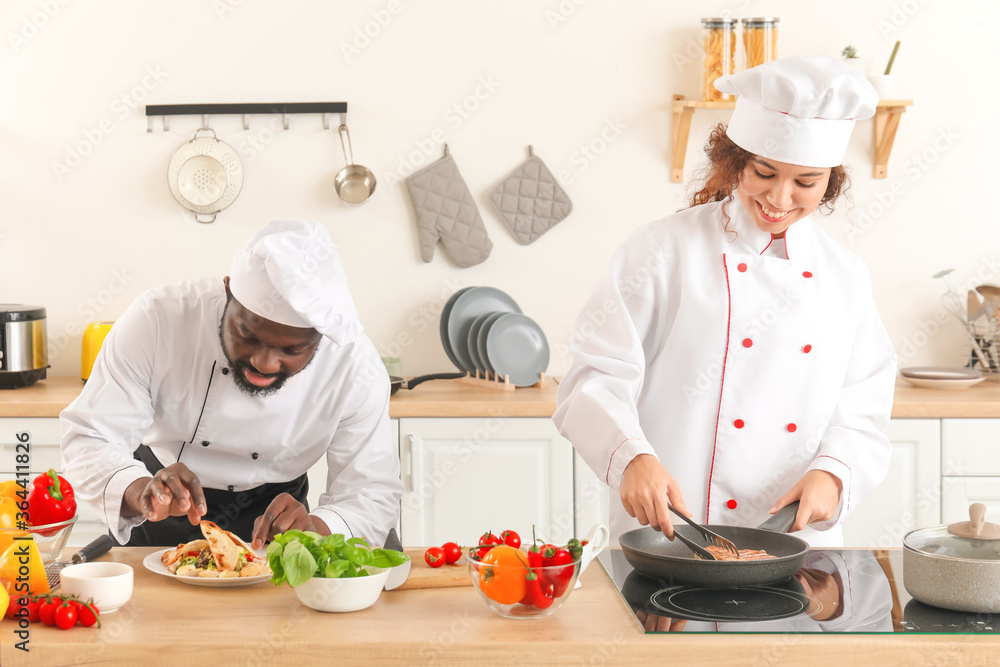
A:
{"points": [[423, 575]]}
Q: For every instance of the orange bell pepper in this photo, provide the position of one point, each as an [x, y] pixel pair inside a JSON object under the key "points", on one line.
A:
{"points": [[9, 489], [8, 523], [23, 552]]}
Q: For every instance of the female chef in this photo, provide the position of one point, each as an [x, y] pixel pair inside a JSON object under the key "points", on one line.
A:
{"points": [[732, 359]]}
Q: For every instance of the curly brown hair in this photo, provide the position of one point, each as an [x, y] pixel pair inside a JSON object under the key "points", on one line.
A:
{"points": [[726, 164]]}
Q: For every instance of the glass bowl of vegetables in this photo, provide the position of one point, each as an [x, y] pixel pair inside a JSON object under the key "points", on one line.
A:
{"points": [[50, 539], [330, 572], [517, 583]]}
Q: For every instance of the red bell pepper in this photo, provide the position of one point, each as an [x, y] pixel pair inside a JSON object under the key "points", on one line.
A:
{"points": [[50, 500]]}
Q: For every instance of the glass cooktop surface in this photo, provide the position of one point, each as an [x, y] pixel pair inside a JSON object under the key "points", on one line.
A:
{"points": [[836, 590]]}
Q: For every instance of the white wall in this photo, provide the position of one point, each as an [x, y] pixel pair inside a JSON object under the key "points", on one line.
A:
{"points": [[561, 75]]}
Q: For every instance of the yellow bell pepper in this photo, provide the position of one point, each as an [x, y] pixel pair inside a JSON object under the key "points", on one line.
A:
{"points": [[9, 489], [4, 602], [8, 523], [23, 552]]}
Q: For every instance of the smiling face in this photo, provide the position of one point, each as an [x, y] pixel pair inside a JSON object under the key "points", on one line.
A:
{"points": [[263, 354], [778, 194]]}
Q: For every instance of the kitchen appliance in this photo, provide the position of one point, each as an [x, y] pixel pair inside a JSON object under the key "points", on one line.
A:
{"points": [[847, 591], [93, 339], [23, 345]]}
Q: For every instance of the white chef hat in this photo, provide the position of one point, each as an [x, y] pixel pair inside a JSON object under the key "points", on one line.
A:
{"points": [[799, 109], [289, 272]]}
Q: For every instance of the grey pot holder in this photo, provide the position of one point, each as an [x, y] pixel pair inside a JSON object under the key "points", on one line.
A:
{"points": [[446, 211], [530, 200]]}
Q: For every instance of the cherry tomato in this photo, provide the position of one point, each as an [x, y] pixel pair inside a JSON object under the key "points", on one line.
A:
{"points": [[65, 616], [452, 552], [487, 542], [46, 613], [510, 538], [33, 606], [86, 617], [434, 557]]}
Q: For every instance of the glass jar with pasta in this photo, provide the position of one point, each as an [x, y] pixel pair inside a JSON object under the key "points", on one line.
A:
{"points": [[760, 40], [719, 46]]}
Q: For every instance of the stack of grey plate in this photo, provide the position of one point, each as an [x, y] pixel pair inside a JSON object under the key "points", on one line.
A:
{"points": [[941, 377], [484, 333]]}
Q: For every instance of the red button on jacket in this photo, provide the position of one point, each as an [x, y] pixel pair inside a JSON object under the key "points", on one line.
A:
{"points": [[791, 428], [742, 267], [747, 342], [738, 423], [807, 274], [731, 504], [807, 349]]}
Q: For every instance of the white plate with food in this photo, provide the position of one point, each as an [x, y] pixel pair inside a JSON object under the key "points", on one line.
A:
{"points": [[220, 560]]}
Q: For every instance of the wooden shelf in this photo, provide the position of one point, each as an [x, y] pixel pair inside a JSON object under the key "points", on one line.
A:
{"points": [[887, 116]]}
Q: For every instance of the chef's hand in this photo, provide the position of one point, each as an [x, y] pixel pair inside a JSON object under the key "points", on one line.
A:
{"points": [[284, 513], [172, 491], [818, 493], [654, 623], [646, 486]]}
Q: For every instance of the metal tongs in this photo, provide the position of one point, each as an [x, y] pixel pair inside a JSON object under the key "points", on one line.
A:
{"points": [[715, 538]]}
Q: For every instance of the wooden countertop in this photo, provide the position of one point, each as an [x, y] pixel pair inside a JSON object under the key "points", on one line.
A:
{"points": [[264, 624], [449, 398]]}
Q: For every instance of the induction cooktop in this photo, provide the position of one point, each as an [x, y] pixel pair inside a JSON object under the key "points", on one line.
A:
{"points": [[837, 590]]}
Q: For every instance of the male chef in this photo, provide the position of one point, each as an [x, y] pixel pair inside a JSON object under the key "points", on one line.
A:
{"points": [[212, 398]]}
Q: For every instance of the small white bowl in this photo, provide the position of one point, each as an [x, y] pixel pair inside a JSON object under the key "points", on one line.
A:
{"points": [[110, 584], [339, 595]]}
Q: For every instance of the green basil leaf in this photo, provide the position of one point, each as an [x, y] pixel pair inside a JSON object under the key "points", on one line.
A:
{"points": [[394, 557], [299, 564], [357, 555], [336, 569], [358, 541], [334, 541]]}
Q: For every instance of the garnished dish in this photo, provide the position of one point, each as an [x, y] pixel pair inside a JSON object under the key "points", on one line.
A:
{"points": [[221, 554]]}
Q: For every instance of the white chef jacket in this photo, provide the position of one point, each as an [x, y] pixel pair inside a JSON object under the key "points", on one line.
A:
{"points": [[738, 369], [162, 379]]}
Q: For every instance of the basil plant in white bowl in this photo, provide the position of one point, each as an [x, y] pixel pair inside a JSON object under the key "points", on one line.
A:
{"points": [[331, 573]]}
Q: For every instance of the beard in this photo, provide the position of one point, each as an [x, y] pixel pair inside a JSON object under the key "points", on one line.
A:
{"points": [[238, 368]]}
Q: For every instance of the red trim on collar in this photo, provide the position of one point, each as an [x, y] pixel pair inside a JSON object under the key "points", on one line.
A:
{"points": [[768, 245], [722, 384]]}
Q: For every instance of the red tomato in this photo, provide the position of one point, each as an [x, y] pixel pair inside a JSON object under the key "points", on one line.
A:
{"points": [[487, 542], [46, 613], [510, 538], [87, 617], [65, 616], [434, 557], [452, 552], [33, 607]]}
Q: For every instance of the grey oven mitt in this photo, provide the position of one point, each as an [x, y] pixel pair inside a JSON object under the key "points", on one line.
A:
{"points": [[530, 200], [446, 210]]}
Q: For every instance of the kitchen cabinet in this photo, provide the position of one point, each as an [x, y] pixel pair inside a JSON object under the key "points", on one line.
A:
{"points": [[591, 498], [44, 455], [910, 496], [465, 476], [970, 460]]}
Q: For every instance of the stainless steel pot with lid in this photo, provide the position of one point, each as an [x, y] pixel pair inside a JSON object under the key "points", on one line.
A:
{"points": [[23, 345], [955, 566]]}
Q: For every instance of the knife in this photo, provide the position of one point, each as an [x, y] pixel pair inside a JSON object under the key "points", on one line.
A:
{"points": [[398, 574], [98, 547]]}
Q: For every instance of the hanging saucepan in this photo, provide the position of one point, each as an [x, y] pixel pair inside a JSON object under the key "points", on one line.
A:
{"points": [[955, 566], [653, 555], [354, 183], [205, 175], [398, 383]]}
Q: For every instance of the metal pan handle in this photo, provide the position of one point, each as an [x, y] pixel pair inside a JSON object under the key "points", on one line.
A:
{"points": [[783, 519], [413, 382]]}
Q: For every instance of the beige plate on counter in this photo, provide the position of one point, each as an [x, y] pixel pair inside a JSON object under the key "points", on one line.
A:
{"points": [[153, 564], [928, 383]]}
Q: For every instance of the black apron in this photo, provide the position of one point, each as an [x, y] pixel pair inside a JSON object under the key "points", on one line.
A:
{"points": [[234, 511]]}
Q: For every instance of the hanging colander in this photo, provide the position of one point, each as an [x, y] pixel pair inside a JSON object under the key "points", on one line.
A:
{"points": [[205, 175]]}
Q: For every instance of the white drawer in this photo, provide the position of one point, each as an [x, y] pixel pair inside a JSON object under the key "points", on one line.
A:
{"points": [[970, 447], [44, 451]]}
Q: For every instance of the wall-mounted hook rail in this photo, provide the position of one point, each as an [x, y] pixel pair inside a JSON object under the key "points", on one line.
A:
{"points": [[284, 109]]}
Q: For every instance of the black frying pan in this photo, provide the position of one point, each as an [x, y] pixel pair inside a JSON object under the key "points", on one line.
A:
{"points": [[652, 554], [397, 383]]}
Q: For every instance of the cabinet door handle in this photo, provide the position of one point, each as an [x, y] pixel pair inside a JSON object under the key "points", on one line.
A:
{"points": [[407, 465]]}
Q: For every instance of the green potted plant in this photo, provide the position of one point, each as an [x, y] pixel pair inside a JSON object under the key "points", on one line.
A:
{"points": [[885, 82], [851, 56]]}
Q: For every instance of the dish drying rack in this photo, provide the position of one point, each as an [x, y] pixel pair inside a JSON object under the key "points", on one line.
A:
{"points": [[496, 382]]}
